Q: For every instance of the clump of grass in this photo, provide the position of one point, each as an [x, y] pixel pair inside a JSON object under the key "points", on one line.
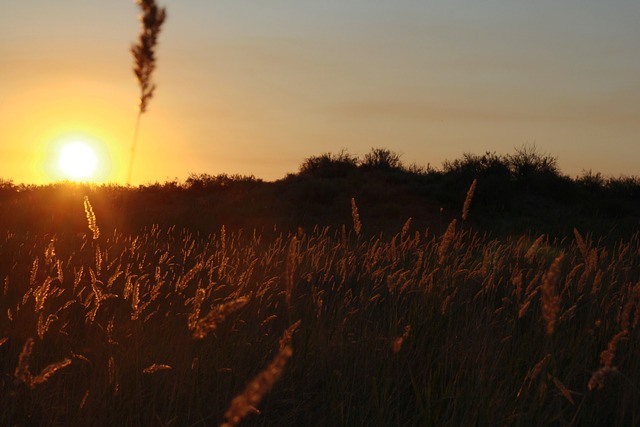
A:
{"points": [[164, 327]]}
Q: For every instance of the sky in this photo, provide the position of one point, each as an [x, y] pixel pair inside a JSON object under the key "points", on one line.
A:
{"points": [[255, 87]]}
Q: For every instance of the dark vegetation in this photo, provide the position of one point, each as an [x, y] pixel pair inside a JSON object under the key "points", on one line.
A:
{"points": [[314, 300], [515, 194]]}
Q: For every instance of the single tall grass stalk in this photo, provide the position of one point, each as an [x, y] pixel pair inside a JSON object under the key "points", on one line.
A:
{"points": [[357, 225], [468, 199], [246, 402], [91, 218], [143, 53], [447, 240], [290, 269], [210, 321], [550, 298]]}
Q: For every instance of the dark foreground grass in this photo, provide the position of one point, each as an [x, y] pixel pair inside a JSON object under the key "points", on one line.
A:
{"points": [[166, 328]]}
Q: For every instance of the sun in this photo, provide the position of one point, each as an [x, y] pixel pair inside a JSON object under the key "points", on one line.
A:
{"points": [[77, 160], [76, 156]]}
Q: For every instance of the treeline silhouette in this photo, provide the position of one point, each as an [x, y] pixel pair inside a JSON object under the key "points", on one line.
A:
{"points": [[516, 193]]}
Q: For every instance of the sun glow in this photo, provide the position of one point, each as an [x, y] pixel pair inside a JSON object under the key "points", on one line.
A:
{"points": [[78, 161]]}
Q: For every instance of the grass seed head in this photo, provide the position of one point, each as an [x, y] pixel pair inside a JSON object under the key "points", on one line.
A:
{"points": [[143, 52], [468, 199], [357, 225], [91, 218], [550, 299], [246, 402]]}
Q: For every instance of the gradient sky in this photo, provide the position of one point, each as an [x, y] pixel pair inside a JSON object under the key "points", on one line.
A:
{"points": [[255, 87]]}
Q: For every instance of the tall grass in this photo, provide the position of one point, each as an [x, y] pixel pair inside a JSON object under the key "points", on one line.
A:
{"points": [[167, 327], [144, 58]]}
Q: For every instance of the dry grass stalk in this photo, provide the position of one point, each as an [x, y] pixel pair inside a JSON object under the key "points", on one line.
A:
{"points": [[136, 308], [43, 325], [447, 240], [98, 260], [91, 218], [196, 305], [290, 268], [468, 200], [143, 52], [597, 281], [397, 343], [600, 377], [41, 294], [34, 273], [584, 250], [23, 373], [531, 253], [606, 357], [3, 340], [246, 402], [60, 275], [144, 58], [357, 225], [632, 307], [550, 299], [287, 336], [534, 372], [405, 228], [50, 251], [49, 371], [523, 308], [566, 393], [210, 322], [111, 370], [156, 368], [84, 400]]}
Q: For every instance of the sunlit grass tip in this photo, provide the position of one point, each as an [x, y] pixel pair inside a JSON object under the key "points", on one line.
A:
{"points": [[91, 218], [246, 402]]}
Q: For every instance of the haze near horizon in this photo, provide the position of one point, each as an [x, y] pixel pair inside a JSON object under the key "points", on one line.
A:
{"points": [[255, 88]]}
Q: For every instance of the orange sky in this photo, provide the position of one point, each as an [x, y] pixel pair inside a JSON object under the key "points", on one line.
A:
{"points": [[256, 87]]}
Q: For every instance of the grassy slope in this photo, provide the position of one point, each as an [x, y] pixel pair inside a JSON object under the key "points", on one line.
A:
{"points": [[470, 315]]}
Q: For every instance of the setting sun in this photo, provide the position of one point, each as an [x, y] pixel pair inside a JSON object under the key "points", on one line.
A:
{"points": [[78, 161]]}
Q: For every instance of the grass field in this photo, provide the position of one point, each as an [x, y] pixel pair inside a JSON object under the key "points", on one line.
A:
{"points": [[326, 326], [310, 303]]}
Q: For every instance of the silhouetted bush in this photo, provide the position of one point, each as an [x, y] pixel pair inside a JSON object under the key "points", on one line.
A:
{"points": [[219, 182], [329, 165], [625, 186], [382, 158], [6, 186], [527, 162], [590, 181], [473, 165], [522, 192]]}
